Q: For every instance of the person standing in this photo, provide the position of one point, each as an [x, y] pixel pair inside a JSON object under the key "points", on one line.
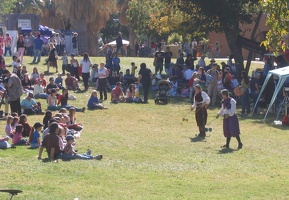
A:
{"points": [[119, 44], [8, 45], [86, 64], [144, 77], [1, 44], [20, 48], [103, 73], [15, 91], [168, 57], [230, 122], [37, 49], [30, 44], [213, 85], [201, 101], [159, 61], [245, 98], [74, 67], [57, 43], [75, 44]]}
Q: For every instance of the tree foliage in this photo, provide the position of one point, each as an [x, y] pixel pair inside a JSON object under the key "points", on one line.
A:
{"points": [[6, 7], [278, 22]]}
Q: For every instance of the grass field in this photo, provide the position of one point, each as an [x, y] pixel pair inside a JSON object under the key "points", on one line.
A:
{"points": [[150, 153]]}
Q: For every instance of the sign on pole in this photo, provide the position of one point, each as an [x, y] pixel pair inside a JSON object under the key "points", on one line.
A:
{"points": [[24, 23]]}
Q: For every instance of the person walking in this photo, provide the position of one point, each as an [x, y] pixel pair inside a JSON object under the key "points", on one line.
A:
{"points": [[20, 48], [15, 91], [201, 101], [85, 64], [119, 44], [230, 122], [8, 45], [144, 77]]}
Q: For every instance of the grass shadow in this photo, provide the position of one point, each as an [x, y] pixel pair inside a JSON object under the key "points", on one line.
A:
{"points": [[226, 150], [198, 139]]}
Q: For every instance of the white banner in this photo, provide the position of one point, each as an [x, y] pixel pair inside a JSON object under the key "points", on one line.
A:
{"points": [[24, 23]]}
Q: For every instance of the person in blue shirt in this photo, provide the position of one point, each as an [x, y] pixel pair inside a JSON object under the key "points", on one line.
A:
{"points": [[37, 49], [115, 64], [59, 81], [29, 105], [93, 102], [34, 138]]}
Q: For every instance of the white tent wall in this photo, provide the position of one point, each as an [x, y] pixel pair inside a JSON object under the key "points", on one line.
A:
{"points": [[283, 74]]}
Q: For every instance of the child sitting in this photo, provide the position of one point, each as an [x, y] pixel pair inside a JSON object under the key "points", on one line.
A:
{"points": [[8, 128], [17, 137], [26, 127], [72, 123], [93, 102], [70, 153], [46, 118], [34, 138]]}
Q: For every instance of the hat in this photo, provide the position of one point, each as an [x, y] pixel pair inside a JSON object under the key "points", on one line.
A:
{"points": [[69, 137], [158, 76], [225, 92], [37, 124], [212, 60]]}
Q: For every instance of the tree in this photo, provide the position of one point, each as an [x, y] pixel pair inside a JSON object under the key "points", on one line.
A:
{"points": [[6, 7], [278, 22], [221, 16]]}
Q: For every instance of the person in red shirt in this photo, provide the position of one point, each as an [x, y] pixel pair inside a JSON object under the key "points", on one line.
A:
{"points": [[1, 44], [117, 94], [8, 45]]}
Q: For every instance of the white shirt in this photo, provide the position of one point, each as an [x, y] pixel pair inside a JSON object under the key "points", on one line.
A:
{"points": [[38, 89], [57, 40], [102, 73], [206, 99], [85, 66], [230, 112], [15, 66]]}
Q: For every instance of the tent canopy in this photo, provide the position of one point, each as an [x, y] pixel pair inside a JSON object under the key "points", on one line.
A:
{"points": [[123, 42], [283, 74]]}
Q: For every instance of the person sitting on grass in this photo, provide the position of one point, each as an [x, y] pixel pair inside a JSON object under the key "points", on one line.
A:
{"points": [[34, 75], [51, 101], [46, 118], [17, 136], [70, 153], [8, 127], [71, 82], [130, 95], [34, 138], [4, 143], [27, 128], [93, 102], [30, 106], [51, 86], [26, 83], [117, 94], [59, 81], [38, 91], [72, 123], [62, 100]]}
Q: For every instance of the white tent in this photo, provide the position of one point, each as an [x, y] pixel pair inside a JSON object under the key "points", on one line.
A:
{"points": [[123, 42], [282, 73]]}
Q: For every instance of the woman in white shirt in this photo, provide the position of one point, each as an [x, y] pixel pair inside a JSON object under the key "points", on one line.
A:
{"points": [[230, 122], [85, 63], [74, 65], [103, 73], [201, 101]]}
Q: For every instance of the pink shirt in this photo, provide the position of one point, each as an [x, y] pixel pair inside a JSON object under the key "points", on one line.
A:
{"points": [[16, 138]]}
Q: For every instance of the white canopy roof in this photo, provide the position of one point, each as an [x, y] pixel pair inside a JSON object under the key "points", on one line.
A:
{"points": [[123, 42]]}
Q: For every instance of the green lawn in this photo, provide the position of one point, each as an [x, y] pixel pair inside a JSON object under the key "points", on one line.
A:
{"points": [[150, 153]]}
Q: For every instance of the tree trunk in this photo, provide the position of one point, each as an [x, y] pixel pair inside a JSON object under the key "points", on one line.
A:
{"points": [[132, 39], [250, 55], [232, 34], [82, 36], [92, 42]]}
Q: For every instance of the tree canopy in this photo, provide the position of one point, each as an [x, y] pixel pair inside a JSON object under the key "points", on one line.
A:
{"points": [[278, 21]]}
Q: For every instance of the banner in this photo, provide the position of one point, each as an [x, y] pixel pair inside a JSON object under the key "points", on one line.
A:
{"points": [[251, 45]]}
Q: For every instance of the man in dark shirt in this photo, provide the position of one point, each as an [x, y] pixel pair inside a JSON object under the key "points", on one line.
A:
{"points": [[51, 143], [168, 57], [144, 77], [159, 61], [75, 44], [51, 86], [119, 44]]}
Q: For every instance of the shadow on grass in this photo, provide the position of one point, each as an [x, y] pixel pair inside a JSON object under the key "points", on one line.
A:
{"points": [[225, 151], [198, 139]]}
